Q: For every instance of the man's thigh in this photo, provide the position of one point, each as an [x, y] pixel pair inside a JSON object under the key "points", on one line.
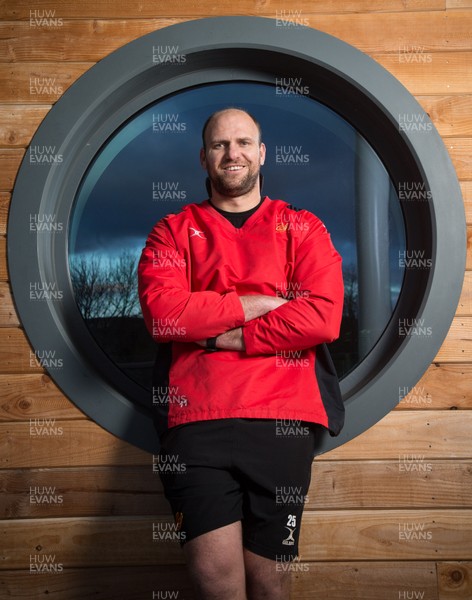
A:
{"points": [[275, 463]]}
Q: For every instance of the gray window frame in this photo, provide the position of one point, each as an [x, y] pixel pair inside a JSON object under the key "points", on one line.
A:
{"points": [[214, 50]]}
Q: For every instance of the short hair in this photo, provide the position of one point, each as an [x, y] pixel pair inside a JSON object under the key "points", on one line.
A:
{"points": [[222, 110]]}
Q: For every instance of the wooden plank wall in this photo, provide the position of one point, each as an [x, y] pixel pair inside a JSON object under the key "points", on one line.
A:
{"points": [[389, 514]]}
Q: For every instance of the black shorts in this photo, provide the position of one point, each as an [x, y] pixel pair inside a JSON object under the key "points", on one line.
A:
{"points": [[255, 471]]}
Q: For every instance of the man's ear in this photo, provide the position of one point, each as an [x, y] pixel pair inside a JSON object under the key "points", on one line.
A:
{"points": [[203, 158], [262, 153]]}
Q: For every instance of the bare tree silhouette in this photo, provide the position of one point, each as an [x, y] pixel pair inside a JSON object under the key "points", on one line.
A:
{"points": [[105, 288]]}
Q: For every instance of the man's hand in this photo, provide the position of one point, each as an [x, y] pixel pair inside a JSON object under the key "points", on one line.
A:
{"points": [[230, 340], [256, 306], [253, 306]]}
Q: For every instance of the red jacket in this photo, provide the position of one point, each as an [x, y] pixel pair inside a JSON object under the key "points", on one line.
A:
{"points": [[192, 271]]}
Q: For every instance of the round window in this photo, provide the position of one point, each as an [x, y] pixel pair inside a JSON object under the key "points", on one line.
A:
{"points": [[120, 150], [316, 160]]}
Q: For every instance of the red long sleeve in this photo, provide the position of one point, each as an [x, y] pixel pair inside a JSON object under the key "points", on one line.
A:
{"points": [[315, 290], [171, 311]]}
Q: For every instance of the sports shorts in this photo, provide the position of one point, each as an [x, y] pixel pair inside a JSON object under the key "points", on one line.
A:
{"points": [[256, 471]]}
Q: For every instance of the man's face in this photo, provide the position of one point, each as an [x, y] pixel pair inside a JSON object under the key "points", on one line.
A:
{"points": [[233, 154]]}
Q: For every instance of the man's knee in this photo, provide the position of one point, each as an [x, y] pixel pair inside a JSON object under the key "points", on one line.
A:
{"points": [[215, 563], [264, 579]]}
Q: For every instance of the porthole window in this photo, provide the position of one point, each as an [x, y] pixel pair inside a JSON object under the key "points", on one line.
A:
{"points": [[121, 150], [316, 160]]}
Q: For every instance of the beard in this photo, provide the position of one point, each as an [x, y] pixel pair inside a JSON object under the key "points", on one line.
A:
{"points": [[233, 190]]}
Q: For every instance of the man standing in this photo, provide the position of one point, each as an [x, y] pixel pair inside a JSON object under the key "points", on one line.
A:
{"points": [[241, 292]]}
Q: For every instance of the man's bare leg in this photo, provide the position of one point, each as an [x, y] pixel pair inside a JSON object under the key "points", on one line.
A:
{"points": [[264, 580], [216, 564]]}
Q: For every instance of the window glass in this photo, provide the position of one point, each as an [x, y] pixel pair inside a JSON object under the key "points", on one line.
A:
{"points": [[150, 167]]}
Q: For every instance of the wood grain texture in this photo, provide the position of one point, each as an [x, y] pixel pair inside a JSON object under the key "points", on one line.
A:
{"points": [[363, 580], [8, 316], [78, 492], [18, 124], [4, 208], [466, 188], [405, 36], [465, 302], [90, 542], [443, 386], [112, 583], [41, 442], [10, 160], [454, 580], [447, 73], [391, 534], [457, 347], [429, 433], [458, 4], [20, 9], [37, 83], [3, 260], [16, 354], [30, 396], [460, 151], [412, 481], [451, 115], [412, 38]]}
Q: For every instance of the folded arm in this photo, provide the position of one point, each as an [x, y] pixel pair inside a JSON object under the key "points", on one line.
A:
{"points": [[313, 314], [171, 311]]}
